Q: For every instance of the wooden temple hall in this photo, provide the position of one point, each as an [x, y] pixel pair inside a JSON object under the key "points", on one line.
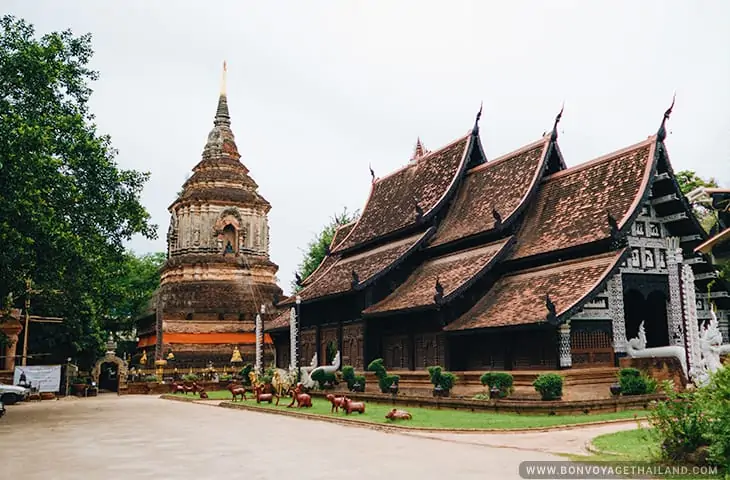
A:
{"points": [[512, 263]]}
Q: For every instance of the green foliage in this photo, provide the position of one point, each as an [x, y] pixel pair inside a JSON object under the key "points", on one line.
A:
{"points": [[714, 400], [324, 379], [680, 424], [439, 377], [549, 385], [225, 378], [151, 379], [317, 248], [348, 375], [481, 396], [633, 382], [245, 380], [384, 380], [688, 180], [501, 380], [190, 377], [132, 290], [331, 351], [67, 208]]}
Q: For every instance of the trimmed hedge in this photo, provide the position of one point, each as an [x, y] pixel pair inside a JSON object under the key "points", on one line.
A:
{"points": [[501, 380], [384, 380], [549, 385]]}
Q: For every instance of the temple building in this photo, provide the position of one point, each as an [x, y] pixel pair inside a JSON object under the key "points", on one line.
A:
{"points": [[218, 274], [516, 263]]}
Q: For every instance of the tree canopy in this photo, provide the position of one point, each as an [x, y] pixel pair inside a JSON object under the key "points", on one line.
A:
{"points": [[66, 207], [689, 180], [317, 248]]}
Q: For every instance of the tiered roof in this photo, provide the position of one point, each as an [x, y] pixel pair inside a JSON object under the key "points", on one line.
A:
{"points": [[410, 195], [453, 273], [573, 206], [523, 297], [492, 194], [357, 271]]}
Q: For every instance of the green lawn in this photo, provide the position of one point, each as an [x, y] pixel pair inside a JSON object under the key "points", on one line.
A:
{"points": [[445, 418]]}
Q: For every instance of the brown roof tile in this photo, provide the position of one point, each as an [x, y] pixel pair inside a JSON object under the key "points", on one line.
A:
{"points": [[452, 271], [502, 185], [280, 321], [327, 261], [571, 207], [338, 277], [519, 298], [392, 202]]}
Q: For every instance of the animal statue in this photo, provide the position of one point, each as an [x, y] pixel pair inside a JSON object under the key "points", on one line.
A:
{"points": [[301, 399], [638, 343], [306, 377], [396, 414], [177, 388], [263, 397], [351, 406], [203, 394], [337, 402], [282, 381], [236, 390], [253, 378], [192, 388]]}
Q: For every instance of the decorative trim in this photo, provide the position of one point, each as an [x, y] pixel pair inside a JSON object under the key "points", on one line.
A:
{"points": [[293, 331], [664, 199], [566, 358], [674, 259], [689, 304], [675, 217], [616, 312]]}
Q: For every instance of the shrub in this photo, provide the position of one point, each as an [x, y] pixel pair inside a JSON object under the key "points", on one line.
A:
{"points": [[680, 424], [323, 378], [384, 380], [151, 379], [714, 401], [481, 396], [225, 378], [501, 380], [348, 375], [190, 377], [439, 377], [550, 386], [633, 382], [244, 375]]}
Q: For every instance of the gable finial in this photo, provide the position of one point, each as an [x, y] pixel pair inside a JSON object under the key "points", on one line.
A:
{"points": [[419, 151], [439, 289], [554, 134], [475, 130], [662, 133], [372, 172], [552, 316]]}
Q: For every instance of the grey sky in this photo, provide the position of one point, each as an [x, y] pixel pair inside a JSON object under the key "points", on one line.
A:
{"points": [[319, 90]]}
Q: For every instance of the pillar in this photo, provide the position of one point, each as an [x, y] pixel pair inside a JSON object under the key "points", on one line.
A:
{"points": [[616, 311], [689, 307], [11, 327], [293, 339], [674, 264], [566, 359]]}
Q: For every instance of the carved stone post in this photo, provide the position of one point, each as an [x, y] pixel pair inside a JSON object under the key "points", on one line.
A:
{"points": [[11, 326], [566, 359], [674, 263], [293, 328], [259, 343], [616, 310], [689, 306], [724, 327]]}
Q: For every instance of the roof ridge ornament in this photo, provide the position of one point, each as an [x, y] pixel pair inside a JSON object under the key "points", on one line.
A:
{"points": [[497, 218], [662, 133], [419, 151], [552, 316], [372, 172], [355, 278], [554, 134], [439, 295], [475, 130]]}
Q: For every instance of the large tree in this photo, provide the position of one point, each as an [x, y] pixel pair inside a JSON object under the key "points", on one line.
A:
{"points": [[317, 247], [689, 180], [66, 208]]}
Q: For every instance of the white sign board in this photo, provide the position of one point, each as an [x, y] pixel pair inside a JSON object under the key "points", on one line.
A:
{"points": [[46, 378]]}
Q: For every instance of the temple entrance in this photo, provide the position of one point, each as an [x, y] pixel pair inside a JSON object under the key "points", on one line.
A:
{"points": [[650, 309], [109, 377]]}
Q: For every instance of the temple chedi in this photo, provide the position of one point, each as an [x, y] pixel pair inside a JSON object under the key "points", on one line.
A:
{"points": [[218, 274]]}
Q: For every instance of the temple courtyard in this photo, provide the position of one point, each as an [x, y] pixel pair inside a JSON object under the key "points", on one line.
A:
{"points": [[146, 437]]}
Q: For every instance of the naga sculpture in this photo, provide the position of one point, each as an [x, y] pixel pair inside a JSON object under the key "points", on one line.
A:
{"points": [[711, 348], [237, 390], [328, 368], [351, 406], [337, 402], [636, 348], [306, 377], [396, 414], [301, 399]]}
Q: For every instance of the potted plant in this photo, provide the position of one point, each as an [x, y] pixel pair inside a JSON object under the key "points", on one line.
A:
{"points": [[499, 383], [355, 383], [550, 386], [79, 385], [442, 381], [385, 381]]}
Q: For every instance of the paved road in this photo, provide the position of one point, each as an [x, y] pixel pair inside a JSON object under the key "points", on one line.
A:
{"points": [[141, 437]]}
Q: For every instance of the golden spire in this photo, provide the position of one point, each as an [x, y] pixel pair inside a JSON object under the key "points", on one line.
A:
{"points": [[223, 78]]}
